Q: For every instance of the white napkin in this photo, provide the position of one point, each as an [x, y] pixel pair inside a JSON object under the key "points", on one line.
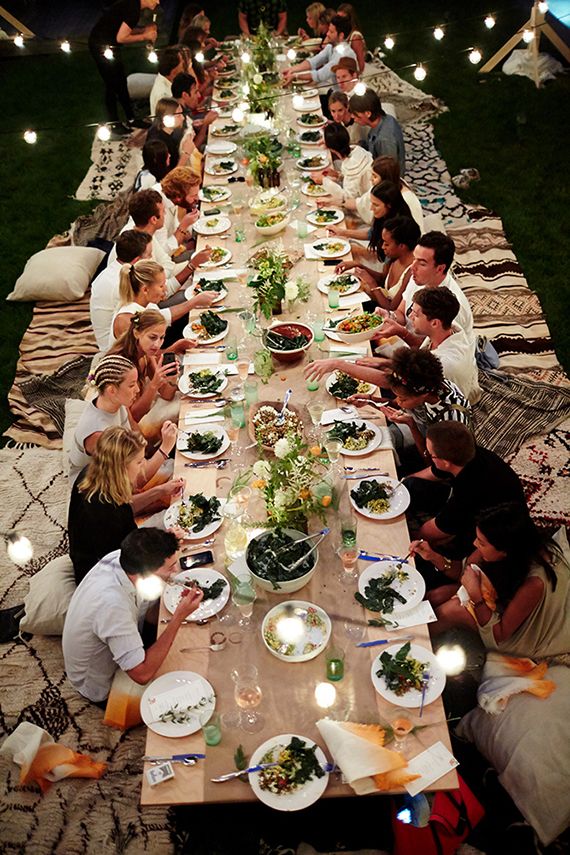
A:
{"points": [[352, 300], [221, 275], [190, 358], [310, 253], [330, 416], [342, 347], [422, 613]]}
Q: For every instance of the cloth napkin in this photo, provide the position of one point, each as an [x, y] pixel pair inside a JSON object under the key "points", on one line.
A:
{"points": [[505, 676], [44, 761], [359, 751]]}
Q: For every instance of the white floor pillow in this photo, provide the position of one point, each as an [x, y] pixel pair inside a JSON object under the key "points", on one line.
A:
{"points": [[58, 274], [48, 599]]}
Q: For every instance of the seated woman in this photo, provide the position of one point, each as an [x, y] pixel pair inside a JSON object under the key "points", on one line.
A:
{"points": [[517, 585], [354, 165], [386, 168], [355, 39], [312, 13], [156, 164], [103, 503], [169, 132], [203, 23]]}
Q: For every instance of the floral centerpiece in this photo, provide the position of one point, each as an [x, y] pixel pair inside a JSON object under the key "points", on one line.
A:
{"points": [[263, 54], [272, 268], [264, 154]]}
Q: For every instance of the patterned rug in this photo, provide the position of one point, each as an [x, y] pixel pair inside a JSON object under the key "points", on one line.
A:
{"points": [[114, 168]]}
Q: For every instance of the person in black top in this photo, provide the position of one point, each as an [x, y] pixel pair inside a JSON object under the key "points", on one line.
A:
{"points": [[118, 26]]}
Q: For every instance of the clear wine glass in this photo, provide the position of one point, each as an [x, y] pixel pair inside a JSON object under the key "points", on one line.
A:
{"points": [[248, 695], [244, 596]]}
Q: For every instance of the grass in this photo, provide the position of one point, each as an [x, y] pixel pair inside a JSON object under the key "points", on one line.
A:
{"points": [[502, 125]]}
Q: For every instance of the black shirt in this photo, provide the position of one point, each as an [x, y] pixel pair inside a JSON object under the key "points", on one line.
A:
{"points": [[172, 142], [95, 528], [123, 12]]}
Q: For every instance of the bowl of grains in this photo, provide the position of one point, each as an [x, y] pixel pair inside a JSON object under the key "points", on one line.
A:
{"points": [[264, 427]]}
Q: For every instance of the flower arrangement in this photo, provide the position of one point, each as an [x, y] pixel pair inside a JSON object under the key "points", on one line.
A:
{"points": [[264, 155], [272, 268]]}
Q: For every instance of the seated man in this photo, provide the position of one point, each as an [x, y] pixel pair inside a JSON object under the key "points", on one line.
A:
{"points": [[179, 189], [187, 92], [131, 246], [346, 73], [385, 134], [169, 65], [319, 68], [106, 612]]}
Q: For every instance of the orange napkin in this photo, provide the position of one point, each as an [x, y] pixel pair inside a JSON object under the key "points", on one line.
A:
{"points": [[505, 676]]}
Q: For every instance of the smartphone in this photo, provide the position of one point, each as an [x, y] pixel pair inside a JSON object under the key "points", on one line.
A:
{"points": [[189, 562], [331, 262], [211, 212], [169, 359]]}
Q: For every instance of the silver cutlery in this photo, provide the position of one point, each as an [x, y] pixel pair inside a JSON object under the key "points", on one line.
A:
{"points": [[199, 546], [310, 552], [302, 540], [186, 759], [209, 349], [327, 767], [207, 464], [366, 469], [286, 398], [425, 682]]}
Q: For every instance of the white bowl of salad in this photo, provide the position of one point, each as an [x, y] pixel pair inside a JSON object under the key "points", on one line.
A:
{"points": [[272, 223]]}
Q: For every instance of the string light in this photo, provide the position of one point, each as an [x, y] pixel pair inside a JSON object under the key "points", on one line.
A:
{"points": [[490, 22], [19, 40], [30, 137], [243, 105], [65, 46], [452, 659], [291, 55], [389, 42], [199, 56], [149, 587], [341, 48], [360, 88], [245, 57], [108, 53], [246, 89], [543, 7], [103, 133], [419, 72], [325, 695], [528, 36], [438, 33], [18, 547], [153, 57], [475, 56], [237, 115], [169, 121]]}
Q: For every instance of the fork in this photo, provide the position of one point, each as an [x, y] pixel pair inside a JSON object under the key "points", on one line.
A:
{"points": [[216, 464], [425, 681]]}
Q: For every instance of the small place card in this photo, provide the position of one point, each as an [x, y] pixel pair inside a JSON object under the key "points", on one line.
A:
{"points": [[342, 347], [230, 368], [352, 300], [184, 696], [190, 358], [221, 275], [422, 613], [431, 764], [330, 416]]}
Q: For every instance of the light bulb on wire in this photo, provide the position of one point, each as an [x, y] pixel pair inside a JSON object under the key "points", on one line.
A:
{"points": [[152, 56], [489, 22], [360, 88], [298, 102], [475, 56], [30, 137], [237, 115], [65, 46], [245, 89], [438, 33], [243, 105], [528, 36], [291, 55], [389, 42], [199, 56], [19, 548], [419, 72], [108, 53], [149, 587], [103, 133], [19, 40], [169, 121], [543, 7], [341, 48], [245, 57]]}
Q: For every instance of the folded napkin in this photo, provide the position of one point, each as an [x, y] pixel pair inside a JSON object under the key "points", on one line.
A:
{"points": [[359, 751], [505, 676], [44, 761]]}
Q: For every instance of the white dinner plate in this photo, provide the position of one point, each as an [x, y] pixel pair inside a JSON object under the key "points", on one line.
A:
{"points": [[199, 455], [311, 127], [223, 260], [308, 106], [373, 444], [207, 608], [313, 190], [189, 333], [325, 282], [213, 167], [183, 385], [219, 194], [322, 164], [313, 218], [218, 100], [332, 378], [220, 130], [166, 683], [327, 244], [313, 634], [319, 141], [303, 796], [193, 290], [412, 589], [399, 501], [171, 519], [215, 225], [413, 697], [218, 148]]}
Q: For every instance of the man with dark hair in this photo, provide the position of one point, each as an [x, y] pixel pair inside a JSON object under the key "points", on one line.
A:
{"points": [[106, 612], [319, 68], [385, 135], [169, 65], [272, 13], [131, 246], [187, 92]]}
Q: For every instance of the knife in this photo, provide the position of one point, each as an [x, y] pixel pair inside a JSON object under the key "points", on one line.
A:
{"points": [[327, 767], [385, 641], [176, 758]]}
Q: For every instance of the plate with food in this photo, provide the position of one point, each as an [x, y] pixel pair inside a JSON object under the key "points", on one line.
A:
{"points": [[178, 703], [203, 285], [203, 443], [229, 129], [202, 384], [358, 437], [311, 137], [206, 329], [390, 588], [272, 224], [219, 148], [331, 247], [221, 166], [359, 328], [313, 190], [342, 386], [313, 163], [325, 217], [227, 95], [263, 424], [197, 515], [215, 587], [215, 225], [308, 105], [313, 42], [380, 498], [296, 631], [344, 283], [268, 202], [398, 673], [298, 780], [214, 193], [219, 255], [311, 120]]}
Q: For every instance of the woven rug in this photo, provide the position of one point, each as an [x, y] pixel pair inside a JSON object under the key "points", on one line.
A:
{"points": [[114, 168]]}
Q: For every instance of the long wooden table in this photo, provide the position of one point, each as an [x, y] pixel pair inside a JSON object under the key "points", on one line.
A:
{"points": [[288, 704]]}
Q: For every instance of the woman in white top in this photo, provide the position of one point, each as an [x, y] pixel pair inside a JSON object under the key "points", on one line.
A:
{"points": [[386, 168], [354, 165], [355, 38]]}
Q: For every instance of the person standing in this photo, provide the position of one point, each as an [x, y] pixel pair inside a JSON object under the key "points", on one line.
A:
{"points": [[272, 13]]}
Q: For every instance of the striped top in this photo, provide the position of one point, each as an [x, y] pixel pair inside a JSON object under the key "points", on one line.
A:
{"points": [[452, 406]]}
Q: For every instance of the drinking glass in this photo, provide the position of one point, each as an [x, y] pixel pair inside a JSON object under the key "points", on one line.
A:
{"points": [[402, 725], [317, 327], [244, 596], [334, 297], [349, 558], [312, 385], [348, 528], [232, 427], [332, 448], [248, 695], [316, 410], [242, 365], [302, 230], [335, 663], [231, 347], [250, 388], [248, 320], [211, 728]]}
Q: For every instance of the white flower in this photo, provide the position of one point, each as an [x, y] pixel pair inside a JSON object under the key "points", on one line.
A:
{"points": [[291, 291], [257, 79], [282, 498], [262, 469], [282, 448]]}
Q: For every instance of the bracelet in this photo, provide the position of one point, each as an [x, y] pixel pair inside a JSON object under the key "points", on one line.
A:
{"points": [[446, 565], [164, 454], [191, 267]]}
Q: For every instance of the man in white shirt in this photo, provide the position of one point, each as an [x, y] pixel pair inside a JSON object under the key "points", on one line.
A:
{"points": [[131, 246], [319, 68], [106, 612], [169, 65]]}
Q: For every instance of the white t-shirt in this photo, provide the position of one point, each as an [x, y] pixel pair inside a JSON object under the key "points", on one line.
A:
{"points": [[464, 318], [101, 630], [158, 254], [104, 302], [131, 309], [92, 420], [457, 358], [355, 175], [161, 88]]}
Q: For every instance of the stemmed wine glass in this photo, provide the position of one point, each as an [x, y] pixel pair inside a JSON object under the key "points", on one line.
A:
{"points": [[316, 410], [244, 596], [248, 695]]}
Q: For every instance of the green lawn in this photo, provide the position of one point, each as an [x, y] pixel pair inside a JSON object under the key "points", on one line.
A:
{"points": [[511, 132]]}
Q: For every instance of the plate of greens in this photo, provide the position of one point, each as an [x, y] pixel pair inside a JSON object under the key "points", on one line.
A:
{"points": [[221, 166], [344, 283], [202, 384], [204, 443], [207, 329], [379, 498], [178, 703], [311, 120], [214, 193], [306, 629], [357, 437], [311, 137], [309, 188], [398, 671], [229, 129], [202, 284], [216, 590], [198, 516], [325, 217], [298, 781], [390, 587], [219, 255], [313, 163], [330, 247], [342, 386]]}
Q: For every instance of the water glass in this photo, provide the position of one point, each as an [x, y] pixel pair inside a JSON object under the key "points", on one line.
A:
{"points": [[237, 414], [248, 320], [242, 364], [332, 448], [248, 695], [317, 327], [334, 297], [312, 385], [335, 663], [250, 388], [302, 230], [211, 728], [231, 347]]}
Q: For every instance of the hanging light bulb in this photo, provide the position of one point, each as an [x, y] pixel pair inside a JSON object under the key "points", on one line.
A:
{"points": [[199, 56], [490, 22], [360, 88], [325, 695], [149, 587], [245, 89], [291, 55], [298, 102], [543, 7], [30, 137], [452, 659], [475, 56], [237, 115], [341, 48], [103, 133], [528, 36], [65, 46], [245, 57], [19, 548], [420, 72], [108, 53], [243, 105], [438, 33], [389, 42], [152, 57], [169, 121], [19, 40]]}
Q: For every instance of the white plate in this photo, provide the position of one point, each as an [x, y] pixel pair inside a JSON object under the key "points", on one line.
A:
{"points": [[313, 195], [258, 204], [214, 225], [208, 608], [320, 140], [199, 455], [323, 163], [171, 519], [188, 332], [413, 588], [318, 636], [224, 260], [166, 683], [325, 282], [413, 698], [221, 193], [398, 502], [311, 42], [219, 131], [221, 148], [331, 379], [211, 167], [374, 443], [339, 217], [314, 127], [192, 291], [183, 385], [217, 99], [308, 106], [303, 796], [326, 253]]}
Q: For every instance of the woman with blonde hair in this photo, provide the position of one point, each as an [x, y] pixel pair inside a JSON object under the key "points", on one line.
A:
{"points": [[355, 39], [103, 499], [312, 12]]}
